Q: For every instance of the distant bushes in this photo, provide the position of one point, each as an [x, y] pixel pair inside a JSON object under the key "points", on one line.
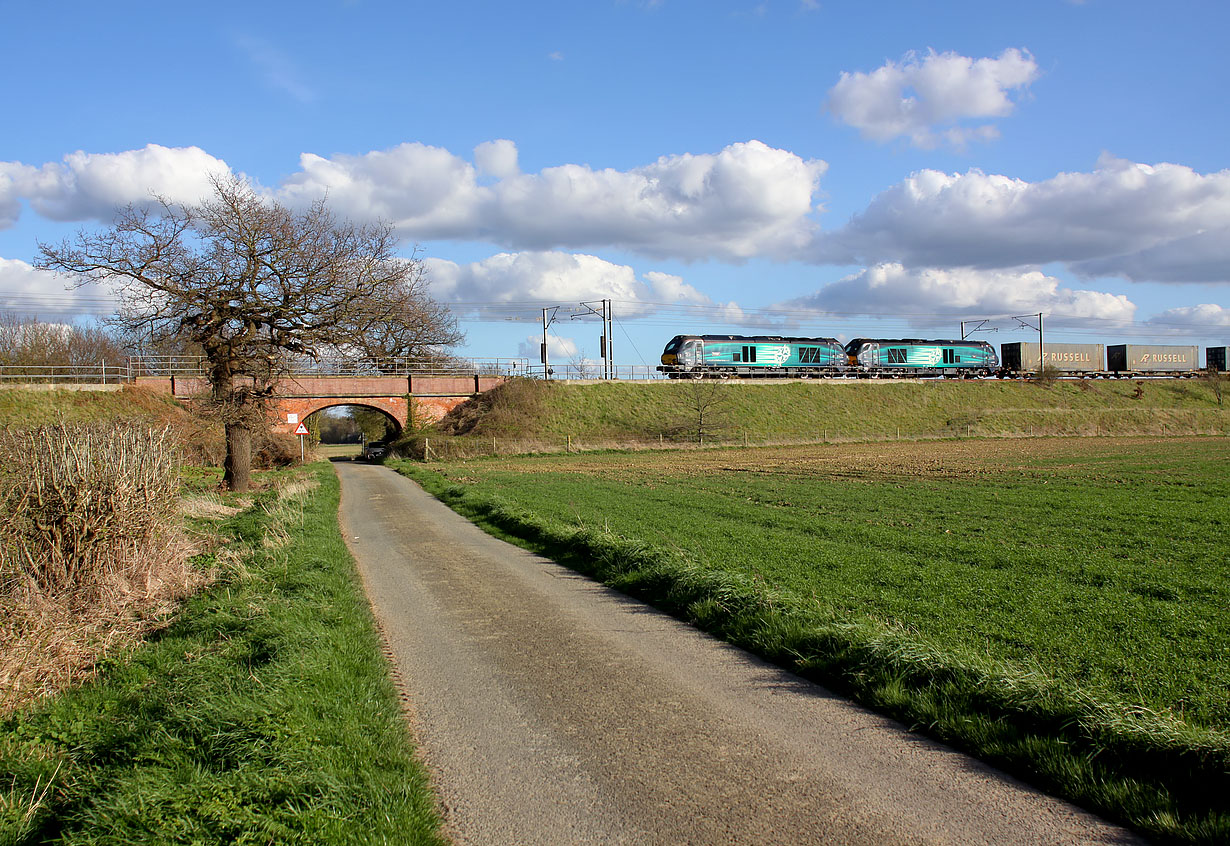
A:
{"points": [[80, 502], [33, 343]]}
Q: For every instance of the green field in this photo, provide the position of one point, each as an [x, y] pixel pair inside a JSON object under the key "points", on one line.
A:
{"points": [[1057, 606]]}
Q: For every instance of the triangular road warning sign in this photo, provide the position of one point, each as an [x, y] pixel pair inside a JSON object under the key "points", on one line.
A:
{"points": [[302, 430]]}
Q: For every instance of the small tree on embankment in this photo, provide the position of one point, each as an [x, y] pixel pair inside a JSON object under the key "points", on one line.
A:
{"points": [[253, 283]]}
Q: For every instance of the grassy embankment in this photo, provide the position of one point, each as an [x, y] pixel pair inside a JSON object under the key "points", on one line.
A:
{"points": [[26, 408], [43, 406], [1054, 606], [263, 713], [525, 416]]}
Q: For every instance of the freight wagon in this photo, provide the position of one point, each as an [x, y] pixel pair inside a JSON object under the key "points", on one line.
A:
{"points": [[1152, 359], [1022, 357], [760, 355], [916, 357], [1215, 358]]}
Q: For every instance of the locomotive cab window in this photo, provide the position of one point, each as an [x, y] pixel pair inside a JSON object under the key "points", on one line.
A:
{"points": [[896, 355]]}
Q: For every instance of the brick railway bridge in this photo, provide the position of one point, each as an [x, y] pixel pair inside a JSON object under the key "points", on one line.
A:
{"points": [[396, 389]]}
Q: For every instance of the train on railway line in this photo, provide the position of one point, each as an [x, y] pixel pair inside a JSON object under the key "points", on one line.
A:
{"points": [[741, 356]]}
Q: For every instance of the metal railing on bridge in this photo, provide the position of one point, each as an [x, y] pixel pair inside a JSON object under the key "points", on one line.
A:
{"points": [[593, 372], [355, 367], [102, 373]]}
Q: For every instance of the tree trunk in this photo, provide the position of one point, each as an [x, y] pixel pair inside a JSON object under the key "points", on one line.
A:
{"points": [[237, 469]]}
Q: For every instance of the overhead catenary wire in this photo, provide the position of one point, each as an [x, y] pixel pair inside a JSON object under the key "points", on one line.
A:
{"points": [[635, 348], [686, 316]]}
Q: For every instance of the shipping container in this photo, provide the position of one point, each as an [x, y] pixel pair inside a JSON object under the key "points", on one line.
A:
{"points": [[1216, 357], [1151, 358], [1022, 357]]}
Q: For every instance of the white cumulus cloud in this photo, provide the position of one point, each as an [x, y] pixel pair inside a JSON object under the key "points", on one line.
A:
{"points": [[890, 288], [426, 191], [93, 185], [746, 200], [926, 98], [1123, 219], [497, 158], [1203, 315], [557, 277], [12, 176]]}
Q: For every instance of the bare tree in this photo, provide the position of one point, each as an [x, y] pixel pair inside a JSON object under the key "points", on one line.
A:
{"points": [[702, 408], [253, 283], [405, 323], [1216, 382]]}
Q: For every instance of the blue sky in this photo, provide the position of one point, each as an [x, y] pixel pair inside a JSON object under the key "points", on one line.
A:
{"points": [[817, 168]]}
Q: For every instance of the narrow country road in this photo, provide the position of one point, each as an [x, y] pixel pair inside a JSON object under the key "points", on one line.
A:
{"points": [[551, 710]]}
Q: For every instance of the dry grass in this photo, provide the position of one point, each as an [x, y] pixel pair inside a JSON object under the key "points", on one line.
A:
{"points": [[79, 501], [92, 552], [52, 641], [208, 507], [296, 487]]}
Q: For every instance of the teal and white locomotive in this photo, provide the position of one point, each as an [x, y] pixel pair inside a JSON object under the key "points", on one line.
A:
{"points": [[914, 357], [760, 355]]}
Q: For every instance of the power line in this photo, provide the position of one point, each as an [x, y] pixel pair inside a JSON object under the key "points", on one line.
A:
{"points": [[670, 315]]}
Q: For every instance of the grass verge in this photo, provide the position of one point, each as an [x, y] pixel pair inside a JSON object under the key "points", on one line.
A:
{"points": [[1054, 611], [525, 415], [264, 713]]}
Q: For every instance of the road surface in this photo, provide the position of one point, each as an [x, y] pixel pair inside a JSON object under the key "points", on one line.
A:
{"points": [[551, 710]]}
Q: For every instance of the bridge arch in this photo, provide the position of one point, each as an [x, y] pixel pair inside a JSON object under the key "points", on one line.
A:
{"points": [[300, 408], [394, 424]]}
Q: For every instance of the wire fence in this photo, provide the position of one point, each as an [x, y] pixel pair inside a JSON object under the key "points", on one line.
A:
{"points": [[595, 372], [197, 366]]}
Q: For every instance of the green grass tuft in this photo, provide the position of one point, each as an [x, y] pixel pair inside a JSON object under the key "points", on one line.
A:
{"points": [[264, 714]]}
